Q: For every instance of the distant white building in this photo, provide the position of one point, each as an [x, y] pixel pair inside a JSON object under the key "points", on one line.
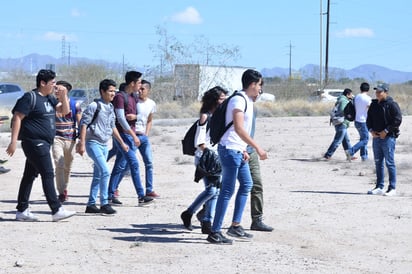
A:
{"points": [[191, 81]]}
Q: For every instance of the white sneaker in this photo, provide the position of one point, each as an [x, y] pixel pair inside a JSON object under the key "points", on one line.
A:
{"points": [[62, 214], [391, 192], [376, 191], [26, 216]]}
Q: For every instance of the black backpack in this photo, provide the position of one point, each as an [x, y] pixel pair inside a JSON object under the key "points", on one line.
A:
{"points": [[188, 142], [217, 122], [349, 112]]}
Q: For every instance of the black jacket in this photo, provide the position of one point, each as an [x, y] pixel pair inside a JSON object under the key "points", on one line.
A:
{"points": [[209, 167], [384, 115]]}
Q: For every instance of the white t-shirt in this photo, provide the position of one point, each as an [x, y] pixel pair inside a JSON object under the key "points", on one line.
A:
{"points": [[144, 109], [230, 139], [362, 103]]}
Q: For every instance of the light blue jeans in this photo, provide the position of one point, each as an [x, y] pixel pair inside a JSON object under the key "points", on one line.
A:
{"points": [[123, 159], [145, 150], [341, 137], [362, 145], [101, 174], [208, 197], [233, 167], [384, 149]]}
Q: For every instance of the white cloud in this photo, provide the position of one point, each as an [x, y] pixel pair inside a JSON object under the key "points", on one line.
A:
{"points": [[55, 36], [189, 16], [75, 13], [357, 32]]}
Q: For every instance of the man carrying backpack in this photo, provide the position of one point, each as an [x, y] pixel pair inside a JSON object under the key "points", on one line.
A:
{"points": [[341, 134], [234, 158], [361, 102]]}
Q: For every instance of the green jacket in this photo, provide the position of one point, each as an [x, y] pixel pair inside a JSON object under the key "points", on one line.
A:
{"points": [[342, 101]]}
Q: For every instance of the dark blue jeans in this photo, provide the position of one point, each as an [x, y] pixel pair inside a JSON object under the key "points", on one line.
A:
{"points": [[384, 152], [341, 137], [38, 161]]}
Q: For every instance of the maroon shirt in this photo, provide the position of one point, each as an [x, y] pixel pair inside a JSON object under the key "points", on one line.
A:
{"points": [[118, 103]]}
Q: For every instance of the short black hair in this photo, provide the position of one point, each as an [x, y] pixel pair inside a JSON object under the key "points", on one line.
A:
{"points": [[44, 75], [132, 76], [347, 91], [64, 84], [364, 86], [250, 76], [105, 84], [145, 82]]}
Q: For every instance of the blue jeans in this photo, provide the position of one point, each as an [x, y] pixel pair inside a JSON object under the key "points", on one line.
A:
{"points": [[98, 153], [233, 167], [362, 145], [123, 159], [208, 197], [145, 150], [384, 149], [341, 137]]}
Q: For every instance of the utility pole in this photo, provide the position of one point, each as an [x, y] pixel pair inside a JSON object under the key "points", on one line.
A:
{"points": [[290, 60], [327, 44], [321, 45]]}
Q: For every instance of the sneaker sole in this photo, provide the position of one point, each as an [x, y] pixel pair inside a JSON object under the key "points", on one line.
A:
{"points": [[64, 218], [242, 238], [219, 243]]}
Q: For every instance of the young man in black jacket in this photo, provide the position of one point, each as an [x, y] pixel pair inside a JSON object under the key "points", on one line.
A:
{"points": [[384, 119]]}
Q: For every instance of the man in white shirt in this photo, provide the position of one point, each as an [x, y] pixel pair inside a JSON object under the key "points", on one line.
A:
{"points": [[362, 102]]}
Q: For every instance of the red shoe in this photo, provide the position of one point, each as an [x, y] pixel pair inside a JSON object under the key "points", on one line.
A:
{"points": [[116, 193], [153, 194], [63, 197]]}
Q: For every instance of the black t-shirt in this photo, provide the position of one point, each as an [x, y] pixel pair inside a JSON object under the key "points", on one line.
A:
{"points": [[39, 121]]}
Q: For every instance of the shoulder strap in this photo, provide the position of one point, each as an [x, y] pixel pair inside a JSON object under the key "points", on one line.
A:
{"points": [[234, 94], [96, 112], [33, 99], [73, 109], [126, 100]]}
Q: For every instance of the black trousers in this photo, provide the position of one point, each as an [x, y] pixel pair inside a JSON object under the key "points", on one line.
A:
{"points": [[38, 161]]}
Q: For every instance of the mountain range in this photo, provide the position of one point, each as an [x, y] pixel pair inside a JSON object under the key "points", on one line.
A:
{"points": [[369, 72]]}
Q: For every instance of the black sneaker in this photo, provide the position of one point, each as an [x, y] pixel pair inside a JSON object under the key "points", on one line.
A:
{"points": [[238, 232], [206, 227], [145, 200], [92, 209], [218, 238], [186, 217], [115, 201], [107, 209], [258, 225]]}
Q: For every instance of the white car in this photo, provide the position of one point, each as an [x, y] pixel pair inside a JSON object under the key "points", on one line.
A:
{"points": [[327, 95], [9, 93]]}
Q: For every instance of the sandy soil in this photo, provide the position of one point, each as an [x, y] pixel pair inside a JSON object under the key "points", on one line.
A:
{"points": [[324, 221]]}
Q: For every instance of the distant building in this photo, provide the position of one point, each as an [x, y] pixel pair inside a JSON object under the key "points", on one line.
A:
{"points": [[191, 81]]}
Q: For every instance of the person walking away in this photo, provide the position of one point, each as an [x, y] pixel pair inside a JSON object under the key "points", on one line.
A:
{"points": [[96, 129], [256, 194], [362, 102], [34, 123], [341, 134], [63, 148], [384, 120], [126, 129], [234, 158], [208, 197]]}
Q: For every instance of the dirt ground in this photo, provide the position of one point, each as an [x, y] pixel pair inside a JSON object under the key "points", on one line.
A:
{"points": [[324, 221]]}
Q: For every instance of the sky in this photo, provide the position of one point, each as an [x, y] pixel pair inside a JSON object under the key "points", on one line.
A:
{"points": [[268, 33]]}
